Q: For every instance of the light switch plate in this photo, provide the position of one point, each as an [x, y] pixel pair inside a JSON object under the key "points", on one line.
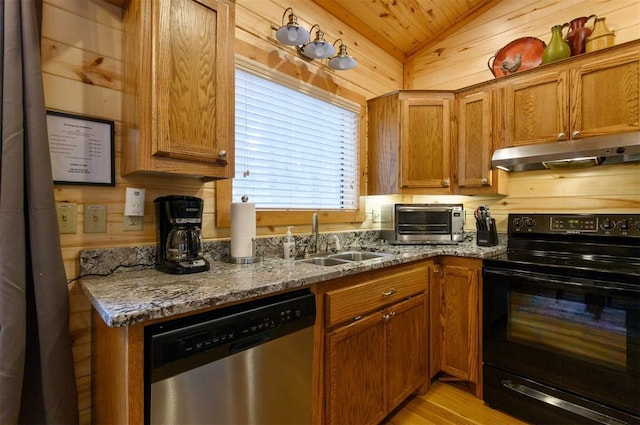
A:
{"points": [[67, 216], [95, 218], [134, 202], [376, 215]]}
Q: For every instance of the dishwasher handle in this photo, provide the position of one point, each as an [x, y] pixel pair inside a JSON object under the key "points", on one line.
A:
{"points": [[249, 342]]}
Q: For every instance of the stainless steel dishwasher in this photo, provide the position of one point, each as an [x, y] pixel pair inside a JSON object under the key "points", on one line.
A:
{"points": [[246, 364]]}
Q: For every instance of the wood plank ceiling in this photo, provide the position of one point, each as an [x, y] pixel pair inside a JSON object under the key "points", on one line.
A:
{"points": [[403, 27]]}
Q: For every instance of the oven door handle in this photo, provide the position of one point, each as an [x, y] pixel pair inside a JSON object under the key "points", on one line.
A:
{"points": [[561, 404], [563, 280]]}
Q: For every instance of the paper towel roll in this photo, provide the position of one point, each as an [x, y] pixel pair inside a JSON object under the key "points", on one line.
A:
{"points": [[243, 229]]}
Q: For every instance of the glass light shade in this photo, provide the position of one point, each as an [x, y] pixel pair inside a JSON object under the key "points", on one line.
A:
{"points": [[318, 50], [342, 61], [292, 34]]}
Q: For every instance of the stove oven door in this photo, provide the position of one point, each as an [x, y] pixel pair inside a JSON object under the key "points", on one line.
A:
{"points": [[559, 349]]}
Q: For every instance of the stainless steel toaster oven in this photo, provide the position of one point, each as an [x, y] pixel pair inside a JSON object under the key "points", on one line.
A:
{"points": [[422, 223]]}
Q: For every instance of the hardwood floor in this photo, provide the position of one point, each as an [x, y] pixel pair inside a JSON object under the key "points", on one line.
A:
{"points": [[445, 404]]}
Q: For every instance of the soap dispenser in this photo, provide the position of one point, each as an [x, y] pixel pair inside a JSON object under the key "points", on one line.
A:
{"points": [[289, 245]]}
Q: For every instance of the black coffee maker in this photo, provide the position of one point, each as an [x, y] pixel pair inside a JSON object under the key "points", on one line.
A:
{"points": [[179, 248]]}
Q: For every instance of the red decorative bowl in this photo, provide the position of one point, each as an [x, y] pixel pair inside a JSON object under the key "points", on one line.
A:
{"points": [[519, 55]]}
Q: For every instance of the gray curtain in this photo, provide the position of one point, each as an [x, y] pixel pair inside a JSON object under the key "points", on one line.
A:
{"points": [[37, 383]]}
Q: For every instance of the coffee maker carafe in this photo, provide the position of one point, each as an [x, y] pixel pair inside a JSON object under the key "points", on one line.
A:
{"points": [[179, 247]]}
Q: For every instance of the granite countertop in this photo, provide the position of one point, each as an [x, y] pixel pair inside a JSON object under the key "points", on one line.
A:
{"points": [[131, 297]]}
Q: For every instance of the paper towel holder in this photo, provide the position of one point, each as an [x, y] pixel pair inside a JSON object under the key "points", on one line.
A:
{"points": [[252, 258], [246, 260]]}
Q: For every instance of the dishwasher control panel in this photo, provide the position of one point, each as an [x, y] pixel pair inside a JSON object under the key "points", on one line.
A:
{"points": [[222, 332]]}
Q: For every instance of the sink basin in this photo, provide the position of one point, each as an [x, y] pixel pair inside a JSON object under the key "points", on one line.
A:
{"points": [[342, 258], [325, 261], [358, 255]]}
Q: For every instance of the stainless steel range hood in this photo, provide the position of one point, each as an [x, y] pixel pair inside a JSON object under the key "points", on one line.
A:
{"points": [[579, 153]]}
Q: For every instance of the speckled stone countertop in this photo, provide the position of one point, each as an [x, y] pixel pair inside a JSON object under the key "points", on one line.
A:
{"points": [[130, 297]]}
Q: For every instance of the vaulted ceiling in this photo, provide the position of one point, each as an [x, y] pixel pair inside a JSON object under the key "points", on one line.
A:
{"points": [[402, 27]]}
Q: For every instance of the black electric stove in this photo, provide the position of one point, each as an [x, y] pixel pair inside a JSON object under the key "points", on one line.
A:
{"points": [[561, 319]]}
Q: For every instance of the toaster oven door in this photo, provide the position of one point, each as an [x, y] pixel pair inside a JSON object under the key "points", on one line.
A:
{"points": [[423, 221]]}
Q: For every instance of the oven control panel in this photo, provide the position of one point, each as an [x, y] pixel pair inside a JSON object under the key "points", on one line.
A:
{"points": [[598, 224], [578, 223]]}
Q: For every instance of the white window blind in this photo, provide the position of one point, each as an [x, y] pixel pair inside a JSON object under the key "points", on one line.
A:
{"points": [[293, 150]]}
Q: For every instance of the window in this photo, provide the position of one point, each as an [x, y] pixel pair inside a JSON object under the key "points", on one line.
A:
{"points": [[295, 148]]}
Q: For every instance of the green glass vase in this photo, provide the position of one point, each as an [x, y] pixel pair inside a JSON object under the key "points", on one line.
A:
{"points": [[557, 48]]}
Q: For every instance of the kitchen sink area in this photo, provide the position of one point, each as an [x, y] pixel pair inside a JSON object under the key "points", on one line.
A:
{"points": [[341, 258]]}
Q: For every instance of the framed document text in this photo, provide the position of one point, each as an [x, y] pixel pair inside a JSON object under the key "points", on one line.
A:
{"points": [[81, 149]]}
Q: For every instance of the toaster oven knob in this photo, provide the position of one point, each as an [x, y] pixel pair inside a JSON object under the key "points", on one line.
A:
{"points": [[607, 224], [531, 223], [624, 225], [517, 222]]}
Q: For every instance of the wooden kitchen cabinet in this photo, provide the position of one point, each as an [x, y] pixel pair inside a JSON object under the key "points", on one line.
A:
{"points": [[455, 330], [375, 352], [593, 94], [479, 119], [179, 87], [410, 142]]}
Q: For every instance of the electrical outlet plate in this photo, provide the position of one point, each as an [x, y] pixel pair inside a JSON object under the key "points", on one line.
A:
{"points": [[95, 218], [132, 223], [67, 213], [134, 202]]}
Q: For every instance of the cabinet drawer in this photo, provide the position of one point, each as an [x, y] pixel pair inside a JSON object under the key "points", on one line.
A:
{"points": [[374, 292]]}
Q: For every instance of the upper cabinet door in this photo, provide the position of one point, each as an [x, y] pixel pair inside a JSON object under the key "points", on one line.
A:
{"points": [[193, 70], [479, 133], [537, 108], [605, 96], [179, 87], [474, 139], [409, 143], [426, 143]]}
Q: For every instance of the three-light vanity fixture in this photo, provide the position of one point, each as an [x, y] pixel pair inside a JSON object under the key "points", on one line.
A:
{"points": [[292, 34]]}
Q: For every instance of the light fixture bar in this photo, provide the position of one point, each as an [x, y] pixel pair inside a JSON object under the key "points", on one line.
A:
{"points": [[293, 34]]}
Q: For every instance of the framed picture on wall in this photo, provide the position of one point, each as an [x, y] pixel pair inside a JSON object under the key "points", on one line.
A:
{"points": [[81, 149]]}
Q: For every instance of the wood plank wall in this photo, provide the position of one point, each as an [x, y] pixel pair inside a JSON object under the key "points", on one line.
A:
{"points": [[460, 59], [82, 72]]}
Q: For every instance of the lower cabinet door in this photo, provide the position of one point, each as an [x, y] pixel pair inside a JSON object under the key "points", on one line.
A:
{"points": [[407, 348], [460, 345], [355, 372]]}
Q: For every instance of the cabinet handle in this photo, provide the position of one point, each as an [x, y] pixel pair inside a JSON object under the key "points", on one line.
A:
{"points": [[446, 182], [576, 134], [389, 292], [485, 180], [222, 158], [386, 316], [392, 314], [355, 319], [562, 136]]}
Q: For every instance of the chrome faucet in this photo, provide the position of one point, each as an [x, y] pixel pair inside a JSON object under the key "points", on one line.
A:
{"points": [[315, 228]]}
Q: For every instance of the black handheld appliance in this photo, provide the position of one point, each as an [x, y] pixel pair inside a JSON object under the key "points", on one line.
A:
{"points": [[179, 247]]}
